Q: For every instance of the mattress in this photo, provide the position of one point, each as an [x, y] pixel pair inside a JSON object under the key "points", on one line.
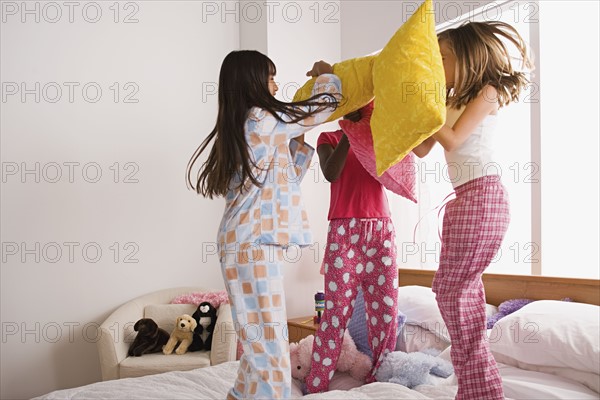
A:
{"points": [[214, 382]]}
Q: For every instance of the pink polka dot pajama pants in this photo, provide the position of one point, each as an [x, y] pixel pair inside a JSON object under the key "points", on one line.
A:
{"points": [[360, 252], [474, 226]]}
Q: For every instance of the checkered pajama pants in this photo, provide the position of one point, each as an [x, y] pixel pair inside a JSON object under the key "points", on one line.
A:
{"points": [[474, 225], [254, 281], [360, 252]]}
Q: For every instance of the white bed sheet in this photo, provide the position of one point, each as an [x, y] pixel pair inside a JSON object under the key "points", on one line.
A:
{"points": [[525, 385], [213, 383]]}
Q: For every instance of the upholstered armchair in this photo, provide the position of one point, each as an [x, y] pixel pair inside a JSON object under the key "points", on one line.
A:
{"points": [[117, 334]]}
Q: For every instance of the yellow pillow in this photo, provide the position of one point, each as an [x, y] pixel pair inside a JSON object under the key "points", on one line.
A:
{"points": [[357, 85], [407, 80], [410, 94]]}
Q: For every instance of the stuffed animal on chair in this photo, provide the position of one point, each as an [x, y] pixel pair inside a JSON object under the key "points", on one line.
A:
{"points": [[183, 333], [149, 339], [206, 320], [351, 360]]}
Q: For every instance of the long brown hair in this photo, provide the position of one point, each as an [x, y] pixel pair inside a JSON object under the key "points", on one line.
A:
{"points": [[483, 59], [243, 84]]}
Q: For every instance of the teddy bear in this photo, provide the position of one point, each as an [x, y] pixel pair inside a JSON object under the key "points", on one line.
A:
{"points": [[206, 320], [183, 333], [413, 369], [149, 339], [352, 361]]}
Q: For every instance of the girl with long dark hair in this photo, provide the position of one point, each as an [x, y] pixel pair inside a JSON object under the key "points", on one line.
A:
{"points": [[256, 162]]}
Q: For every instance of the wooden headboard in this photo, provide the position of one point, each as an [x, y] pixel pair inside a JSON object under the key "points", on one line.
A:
{"points": [[504, 287]]}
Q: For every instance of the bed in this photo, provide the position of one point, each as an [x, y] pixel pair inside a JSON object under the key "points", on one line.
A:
{"points": [[546, 350]]}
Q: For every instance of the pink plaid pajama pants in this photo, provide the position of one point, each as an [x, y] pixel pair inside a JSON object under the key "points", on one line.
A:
{"points": [[474, 225], [360, 252]]}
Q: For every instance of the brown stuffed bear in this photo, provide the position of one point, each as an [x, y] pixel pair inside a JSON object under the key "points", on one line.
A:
{"points": [[149, 339], [183, 332]]}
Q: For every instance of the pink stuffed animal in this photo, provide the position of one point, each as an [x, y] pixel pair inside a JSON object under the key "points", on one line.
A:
{"points": [[352, 361]]}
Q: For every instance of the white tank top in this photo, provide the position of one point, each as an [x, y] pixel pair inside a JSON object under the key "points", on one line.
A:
{"points": [[474, 158]]}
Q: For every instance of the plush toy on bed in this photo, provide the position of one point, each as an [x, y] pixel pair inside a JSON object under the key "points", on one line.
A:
{"points": [[183, 333], [206, 320], [149, 339], [508, 307], [352, 361], [413, 369]]}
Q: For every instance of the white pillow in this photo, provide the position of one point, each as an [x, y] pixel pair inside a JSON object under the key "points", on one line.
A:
{"points": [[560, 335], [414, 338], [589, 379], [420, 307]]}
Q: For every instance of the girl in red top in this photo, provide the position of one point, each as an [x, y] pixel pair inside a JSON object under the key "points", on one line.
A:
{"points": [[360, 252]]}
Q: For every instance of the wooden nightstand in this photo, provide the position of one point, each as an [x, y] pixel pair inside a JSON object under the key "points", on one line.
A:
{"points": [[299, 328]]}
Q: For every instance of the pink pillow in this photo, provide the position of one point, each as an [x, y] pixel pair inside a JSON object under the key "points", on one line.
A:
{"points": [[214, 298], [399, 178]]}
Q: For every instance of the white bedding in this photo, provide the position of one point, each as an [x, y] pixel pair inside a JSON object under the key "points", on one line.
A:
{"points": [[214, 382], [550, 356]]}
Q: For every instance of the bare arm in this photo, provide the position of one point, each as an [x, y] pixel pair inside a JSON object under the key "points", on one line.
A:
{"points": [[332, 159], [483, 105], [425, 147]]}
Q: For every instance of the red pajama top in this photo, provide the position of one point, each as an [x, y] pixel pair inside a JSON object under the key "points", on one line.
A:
{"points": [[355, 194]]}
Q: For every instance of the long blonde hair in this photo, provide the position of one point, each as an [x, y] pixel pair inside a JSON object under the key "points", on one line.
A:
{"points": [[483, 59]]}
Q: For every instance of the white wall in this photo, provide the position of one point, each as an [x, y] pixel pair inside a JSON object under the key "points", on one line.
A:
{"points": [[303, 33], [168, 54], [368, 25], [171, 55], [570, 239]]}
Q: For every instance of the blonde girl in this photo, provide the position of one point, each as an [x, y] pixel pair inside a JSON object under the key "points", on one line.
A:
{"points": [[480, 80]]}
